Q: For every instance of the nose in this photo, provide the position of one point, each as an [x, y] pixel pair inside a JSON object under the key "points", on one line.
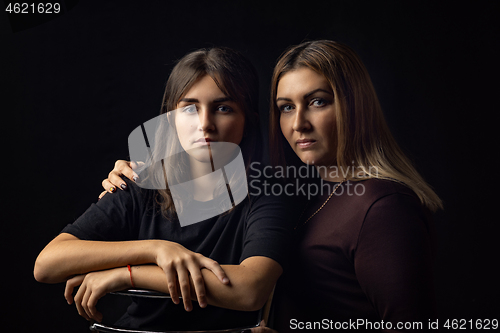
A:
{"points": [[301, 122], [206, 120]]}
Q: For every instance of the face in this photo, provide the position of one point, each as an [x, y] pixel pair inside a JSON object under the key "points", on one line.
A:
{"points": [[215, 118], [308, 116]]}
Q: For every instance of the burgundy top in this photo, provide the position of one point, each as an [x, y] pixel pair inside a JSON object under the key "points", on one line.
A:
{"points": [[368, 254]]}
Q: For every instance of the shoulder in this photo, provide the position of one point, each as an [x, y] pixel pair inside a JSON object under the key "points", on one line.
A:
{"points": [[268, 200], [394, 209], [365, 193], [265, 202], [134, 196], [375, 189], [379, 194], [116, 216], [267, 210], [382, 204], [136, 191]]}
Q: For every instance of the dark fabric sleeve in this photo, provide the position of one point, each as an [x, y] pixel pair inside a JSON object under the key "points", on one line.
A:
{"points": [[269, 224], [113, 218], [394, 260]]}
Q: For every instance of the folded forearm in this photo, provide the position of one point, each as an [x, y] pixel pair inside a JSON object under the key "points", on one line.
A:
{"points": [[250, 282], [66, 256], [248, 289]]}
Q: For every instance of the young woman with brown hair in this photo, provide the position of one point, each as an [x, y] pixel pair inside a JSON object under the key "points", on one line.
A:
{"points": [[215, 95]]}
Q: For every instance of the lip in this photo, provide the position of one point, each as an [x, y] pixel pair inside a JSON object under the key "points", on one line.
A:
{"points": [[203, 141], [305, 143]]}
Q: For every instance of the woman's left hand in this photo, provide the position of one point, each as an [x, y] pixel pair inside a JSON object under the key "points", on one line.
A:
{"points": [[93, 286]]}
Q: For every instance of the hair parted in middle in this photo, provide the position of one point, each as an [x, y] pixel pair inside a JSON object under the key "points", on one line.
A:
{"points": [[237, 78]]}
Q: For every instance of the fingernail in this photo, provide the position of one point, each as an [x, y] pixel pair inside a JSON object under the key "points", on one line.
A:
{"points": [[112, 189], [225, 280], [135, 178], [123, 186]]}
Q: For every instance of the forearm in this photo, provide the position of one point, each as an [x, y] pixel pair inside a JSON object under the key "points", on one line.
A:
{"points": [[248, 290], [67, 256], [244, 293]]}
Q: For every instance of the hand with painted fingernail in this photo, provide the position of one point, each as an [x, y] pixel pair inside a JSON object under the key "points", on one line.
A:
{"points": [[115, 177]]}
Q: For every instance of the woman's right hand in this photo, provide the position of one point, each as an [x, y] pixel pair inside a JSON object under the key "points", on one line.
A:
{"points": [[182, 265], [114, 180]]}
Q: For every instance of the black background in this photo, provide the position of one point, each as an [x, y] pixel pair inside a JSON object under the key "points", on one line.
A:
{"points": [[75, 85]]}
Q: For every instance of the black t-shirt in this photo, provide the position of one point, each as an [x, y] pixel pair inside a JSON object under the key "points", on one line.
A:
{"points": [[258, 226]]}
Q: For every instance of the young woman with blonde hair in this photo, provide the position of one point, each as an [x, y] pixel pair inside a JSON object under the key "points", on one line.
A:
{"points": [[365, 254]]}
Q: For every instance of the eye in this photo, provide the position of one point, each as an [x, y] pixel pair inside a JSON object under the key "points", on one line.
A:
{"points": [[318, 102], [190, 109], [224, 109], [285, 108]]}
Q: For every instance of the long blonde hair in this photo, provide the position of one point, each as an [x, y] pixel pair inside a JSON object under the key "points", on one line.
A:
{"points": [[364, 139]]}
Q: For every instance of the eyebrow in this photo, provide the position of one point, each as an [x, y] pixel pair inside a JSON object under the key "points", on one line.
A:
{"points": [[315, 91], [306, 95], [217, 100]]}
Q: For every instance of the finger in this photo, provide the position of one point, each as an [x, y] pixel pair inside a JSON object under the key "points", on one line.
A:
{"points": [[85, 302], [92, 303], [116, 180], [172, 285], [185, 288], [102, 194], [106, 184], [199, 285], [136, 165], [70, 286], [125, 168], [78, 302], [215, 268]]}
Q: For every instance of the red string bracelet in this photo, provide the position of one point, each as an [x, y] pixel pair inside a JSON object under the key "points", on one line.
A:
{"points": [[130, 271]]}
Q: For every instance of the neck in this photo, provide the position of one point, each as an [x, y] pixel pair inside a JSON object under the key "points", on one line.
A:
{"points": [[332, 173], [203, 180]]}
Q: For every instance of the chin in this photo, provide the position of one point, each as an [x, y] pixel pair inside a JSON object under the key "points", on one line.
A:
{"points": [[200, 154], [308, 159], [308, 162]]}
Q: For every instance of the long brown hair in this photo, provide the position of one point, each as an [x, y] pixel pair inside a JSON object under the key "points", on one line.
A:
{"points": [[236, 77], [363, 137]]}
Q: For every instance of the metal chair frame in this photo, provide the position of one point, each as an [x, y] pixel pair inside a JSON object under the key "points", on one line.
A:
{"points": [[98, 327]]}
